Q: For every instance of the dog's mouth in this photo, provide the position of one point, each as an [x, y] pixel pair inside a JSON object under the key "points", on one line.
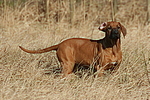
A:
{"points": [[114, 34]]}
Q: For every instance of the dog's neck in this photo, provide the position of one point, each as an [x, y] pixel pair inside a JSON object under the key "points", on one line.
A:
{"points": [[110, 43], [106, 43]]}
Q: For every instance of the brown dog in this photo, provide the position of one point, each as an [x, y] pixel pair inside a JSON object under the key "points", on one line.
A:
{"points": [[104, 54]]}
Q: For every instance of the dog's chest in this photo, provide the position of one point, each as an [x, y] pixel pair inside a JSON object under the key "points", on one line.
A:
{"points": [[108, 56]]}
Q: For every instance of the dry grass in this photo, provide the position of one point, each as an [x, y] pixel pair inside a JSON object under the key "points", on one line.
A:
{"points": [[24, 76]]}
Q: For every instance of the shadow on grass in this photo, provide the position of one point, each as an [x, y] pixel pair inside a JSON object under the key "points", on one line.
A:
{"points": [[80, 71]]}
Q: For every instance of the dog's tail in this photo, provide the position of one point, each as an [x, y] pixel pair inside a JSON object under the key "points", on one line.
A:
{"points": [[55, 47]]}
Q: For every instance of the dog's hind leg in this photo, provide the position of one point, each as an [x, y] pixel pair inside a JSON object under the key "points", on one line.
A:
{"points": [[67, 68], [67, 59]]}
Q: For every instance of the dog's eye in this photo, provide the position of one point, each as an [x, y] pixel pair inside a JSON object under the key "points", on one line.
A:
{"points": [[109, 28], [118, 27]]}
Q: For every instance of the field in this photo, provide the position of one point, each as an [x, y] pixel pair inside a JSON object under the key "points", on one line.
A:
{"points": [[36, 76]]}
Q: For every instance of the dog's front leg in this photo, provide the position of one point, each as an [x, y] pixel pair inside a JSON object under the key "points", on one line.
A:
{"points": [[67, 68], [100, 70]]}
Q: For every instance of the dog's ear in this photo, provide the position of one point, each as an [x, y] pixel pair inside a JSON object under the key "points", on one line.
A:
{"points": [[103, 26], [123, 30]]}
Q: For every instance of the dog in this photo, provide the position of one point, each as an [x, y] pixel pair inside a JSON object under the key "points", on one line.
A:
{"points": [[104, 54]]}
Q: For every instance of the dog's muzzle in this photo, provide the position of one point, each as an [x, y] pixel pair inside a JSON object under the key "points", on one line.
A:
{"points": [[115, 34]]}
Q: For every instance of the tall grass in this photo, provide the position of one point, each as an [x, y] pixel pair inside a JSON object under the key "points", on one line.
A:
{"points": [[27, 76]]}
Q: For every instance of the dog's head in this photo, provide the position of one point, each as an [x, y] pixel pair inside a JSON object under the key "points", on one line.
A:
{"points": [[113, 29]]}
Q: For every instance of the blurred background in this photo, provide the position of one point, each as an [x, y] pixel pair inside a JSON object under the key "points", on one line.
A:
{"points": [[75, 12]]}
